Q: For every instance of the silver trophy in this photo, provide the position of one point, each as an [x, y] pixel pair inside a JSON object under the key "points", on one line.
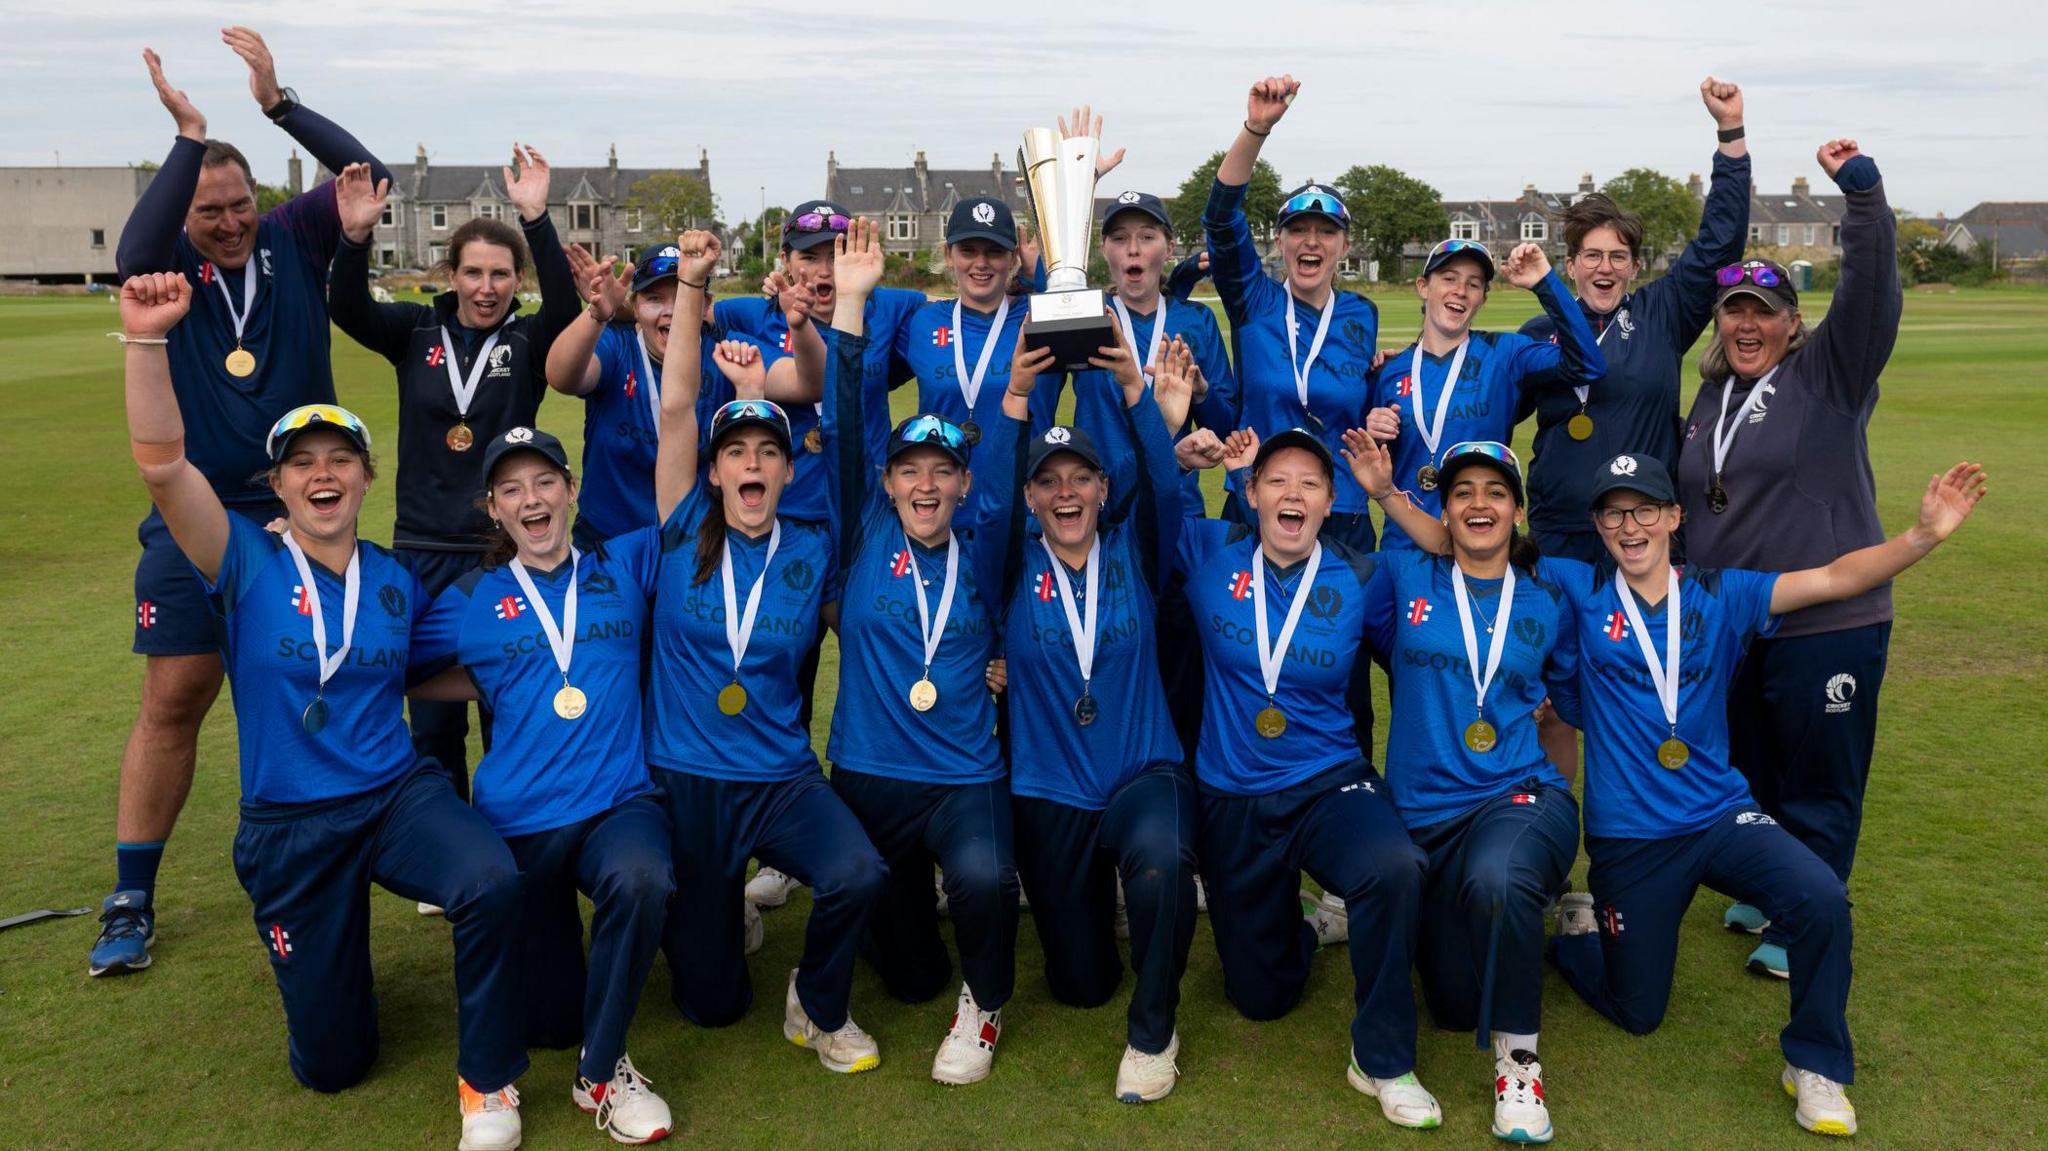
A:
{"points": [[1068, 317]]}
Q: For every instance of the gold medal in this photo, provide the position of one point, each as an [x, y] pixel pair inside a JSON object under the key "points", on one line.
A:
{"points": [[1425, 477], [814, 441], [1270, 722], [732, 699], [923, 694], [240, 363], [1673, 753], [570, 702], [1580, 427], [460, 438], [1480, 736]]}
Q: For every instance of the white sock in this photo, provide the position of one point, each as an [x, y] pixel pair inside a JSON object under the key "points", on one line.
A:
{"points": [[1507, 1042]]}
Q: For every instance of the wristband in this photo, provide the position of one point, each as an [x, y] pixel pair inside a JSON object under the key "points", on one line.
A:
{"points": [[1730, 135], [143, 341], [1254, 131], [688, 284]]}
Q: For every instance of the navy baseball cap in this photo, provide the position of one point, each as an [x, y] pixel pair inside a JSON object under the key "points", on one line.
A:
{"points": [[523, 439], [1634, 473], [1485, 453], [812, 223], [736, 415], [1295, 438], [1763, 279], [653, 268], [929, 431], [1055, 440], [1450, 250], [983, 218], [1312, 199], [1144, 203], [311, 417]]}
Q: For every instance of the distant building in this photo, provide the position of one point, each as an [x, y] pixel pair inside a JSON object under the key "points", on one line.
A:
{"points": [[2015, 232], [62, 224], [1798, 224], [913, 202]]}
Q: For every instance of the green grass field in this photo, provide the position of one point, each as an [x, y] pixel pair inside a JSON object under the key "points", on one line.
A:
{"points": [[1951, 888]]}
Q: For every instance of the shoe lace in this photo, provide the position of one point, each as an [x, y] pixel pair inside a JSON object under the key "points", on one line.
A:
{"points": [[1519, 1079], [1152, 1063], [123, 922], [627, 1080], [1824, 1090], [848, 1030], [505, 1098]]}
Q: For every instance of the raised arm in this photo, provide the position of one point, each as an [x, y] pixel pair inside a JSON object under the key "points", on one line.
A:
{"points": [[151, 305], [527, 188], [1724, 222], [149, 240], [1233, 258], [1944, 506], [682, 374], [572, 367], [1575, 358], [857, 264], [1155, 508], [385, 329], [1003, 510], [1862, 322], [807, 350], [1372, 465], [1180, 282]]}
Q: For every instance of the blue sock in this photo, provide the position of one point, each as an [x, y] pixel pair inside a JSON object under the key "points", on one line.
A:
{"points": [[135, 867]]}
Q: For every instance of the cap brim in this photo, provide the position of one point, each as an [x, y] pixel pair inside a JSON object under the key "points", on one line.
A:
{"points": [[1119, 209], [1448, 473], [1006, 243], [805, 241], [1486, 267], [1038, 462], [1775, 297], [1294, 438], [780, 432], [640, 285]]}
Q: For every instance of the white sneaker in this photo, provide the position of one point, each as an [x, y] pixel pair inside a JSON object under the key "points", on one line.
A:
{"points": [[489, 1122], [431, 910], [1824, 1108], [770, 888], [1334, 902], [1332, 927], [625, 1108], [1575, 914], [969, 1049], [1201, 897], [1519, 1112], [847, 1050], [757, 931], [1143, 1078], [1403, 1099]]}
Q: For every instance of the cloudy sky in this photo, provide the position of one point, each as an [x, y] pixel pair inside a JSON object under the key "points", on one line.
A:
{"points": [[1478, 97]]}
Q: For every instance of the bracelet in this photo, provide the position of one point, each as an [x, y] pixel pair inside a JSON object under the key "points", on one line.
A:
{"points": [[124, 339], [688, 284], [1730, 135], [1254, 131]]}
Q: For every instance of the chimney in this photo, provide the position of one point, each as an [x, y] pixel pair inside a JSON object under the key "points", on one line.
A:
{"points": [[1586, 184], [704, 165], [295, 177], [832, 173], [419, 169], [924, 181], [1799, 187], [995, 175], [1695, 186]]}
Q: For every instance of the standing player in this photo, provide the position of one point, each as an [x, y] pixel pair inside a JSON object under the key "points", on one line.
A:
{"points": [[1666, 811], [1643, 336], [256, 346], [317, 627], [1799, 402], [470, 368]]}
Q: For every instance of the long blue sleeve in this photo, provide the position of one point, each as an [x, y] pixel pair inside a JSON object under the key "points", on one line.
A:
{"points": [[1855, 339], [1180, 282], [149, 240], [1574, 359], [1233, 257], [1689, 286]]}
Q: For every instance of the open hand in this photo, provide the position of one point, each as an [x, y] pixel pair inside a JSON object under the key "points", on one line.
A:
{"points": [[603, 290], [527, 187], [1949, 499], [857, 258], [1085, 122], [191, 124], [262, 69], [1028, 249], [1173, 383], [152, 303], [1371, 465], [359, 202]]}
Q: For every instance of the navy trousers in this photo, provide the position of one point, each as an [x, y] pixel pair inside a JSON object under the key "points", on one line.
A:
{"points": [[308, 869], [1802, 726], [1641, 888], [965, 829], [1492, 874], [620, 859], [440, 728], [798, 827], [1341, 828], [1070, 859]]}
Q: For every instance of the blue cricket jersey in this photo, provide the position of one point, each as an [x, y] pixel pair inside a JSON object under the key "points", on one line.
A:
{"points": [[686, 731], [1099, 399], [267, 644], [1629, 795], [1498, 367], [1256, 304], [924, 349], [541, 771], [1412, 616]]}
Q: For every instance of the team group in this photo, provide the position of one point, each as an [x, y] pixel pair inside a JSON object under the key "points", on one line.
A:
{"points": [[1060, 678]]}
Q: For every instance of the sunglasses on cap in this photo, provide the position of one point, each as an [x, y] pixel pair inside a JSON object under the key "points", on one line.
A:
{"points": [[657, 267], [747, 410], [1755, 271], [1319, 202], [1453, 247], [817, 222], [934, 430], [1492, 449], [300, 419]]}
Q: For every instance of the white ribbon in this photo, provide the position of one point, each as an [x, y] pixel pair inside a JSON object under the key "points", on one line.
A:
{"points": [[934, 630], [561, 639], [465, 390], [352, 586], [1433, 429], [1724, 435], [1123, 316], [1271, 656], [1315, 347], [1665, 678], [653, 385], [1500, 629], [1083, 629], [220, 280], [970, 386], [739, 629]]}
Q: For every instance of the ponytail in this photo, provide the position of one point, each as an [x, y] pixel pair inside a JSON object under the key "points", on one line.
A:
{"points": [[1523, 552], [710, 541]]}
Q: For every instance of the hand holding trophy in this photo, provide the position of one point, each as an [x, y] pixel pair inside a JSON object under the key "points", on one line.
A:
{"points": [[1068, 317]]}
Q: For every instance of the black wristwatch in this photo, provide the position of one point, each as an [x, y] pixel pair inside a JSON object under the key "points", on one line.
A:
{"points": [[287, 101]]}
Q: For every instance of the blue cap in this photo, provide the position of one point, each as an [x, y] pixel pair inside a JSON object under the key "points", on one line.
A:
{"points": [[1450, 250], [734, 415], [930, 431], [812, 223], [1312, 199], [1295, 438], [1055, 440], [1488, 453], [653, 268], [523, 439], [983, 218], [1634, 473], [1142, 202]]}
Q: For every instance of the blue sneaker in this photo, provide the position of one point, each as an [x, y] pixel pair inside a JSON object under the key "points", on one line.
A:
{"points": [[127, 930], [1744, 918], [1769, 959]]}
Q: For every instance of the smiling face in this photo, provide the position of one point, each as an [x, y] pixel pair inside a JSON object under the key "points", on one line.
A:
{"points": [[1067, 497], [222, 218], [1602, 269], [981, 272], [322, 480], [1292, 495], [750, 469], [529, 497], [1452, 295], [1310, 249], [1638, 549], [486, 282], [1753, 334], [654, 309], [812, 268], [926, 485], [1136, 248], [1480, 511]]}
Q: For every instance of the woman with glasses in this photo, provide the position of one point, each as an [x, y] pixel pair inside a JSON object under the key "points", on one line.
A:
{"points": [[1774, 474], [318, 627], [1643, 334], [1454, 384], [740, 594], [1666, 809]]}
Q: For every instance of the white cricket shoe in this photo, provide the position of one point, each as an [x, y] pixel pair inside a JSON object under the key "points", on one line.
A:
{"points": [[625, 1108], [1332, 927], [969, 1049], [847, 1050], [1142, 1078], [489, 1122], [770, 888], [1334, 902], [431, 910], [939, 887], [1520, 1114], [1824, 1108], [1575, 914], [1403, 1099], [1201, 897], [757, 931]]}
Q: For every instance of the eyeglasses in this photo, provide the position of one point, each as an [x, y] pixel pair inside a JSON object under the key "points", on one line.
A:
{"points": [[735, 410], [1645, 515], [817, 222], [1755, 271], [1318, 202], [934, 430], [1491, 449], [301, 418], [1593, 259]]}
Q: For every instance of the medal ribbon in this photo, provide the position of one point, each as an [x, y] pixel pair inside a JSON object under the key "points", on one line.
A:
{"points": [[653, 384], [562, 639], [1123, 316], [934, 629], [465, 390], [220, 280], [1270, 655], [1500, 629], [1433, 429], [1724, 436], [1083, 629], [739, 629], [1664, 678], [352, 586], [970, 386], [1315, 347]]}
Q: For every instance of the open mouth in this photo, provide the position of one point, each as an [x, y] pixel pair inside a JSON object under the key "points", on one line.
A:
{"points": [[1292, 522], [753, 494], [1067, 515], [1457, 310], [1481, 523], [1133, 273], [536, 525], [1633, 548], [821, 292], [1308, 264], [324, 500], [1603, 285], [1748, 347]]}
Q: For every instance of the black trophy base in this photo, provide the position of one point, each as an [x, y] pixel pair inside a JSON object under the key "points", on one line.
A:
{"points": [[1073, 324]]}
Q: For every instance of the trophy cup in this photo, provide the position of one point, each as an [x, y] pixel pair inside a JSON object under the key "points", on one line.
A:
{"points": [[1068, 317]]}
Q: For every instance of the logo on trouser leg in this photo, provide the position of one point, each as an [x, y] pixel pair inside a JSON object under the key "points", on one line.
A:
{"points": [[1756, 817], [145, 615], [1841, 692], [280, 942], [1610, 922]]}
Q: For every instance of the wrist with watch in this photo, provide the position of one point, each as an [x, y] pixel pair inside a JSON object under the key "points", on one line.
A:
{"points": [[287, 100]]}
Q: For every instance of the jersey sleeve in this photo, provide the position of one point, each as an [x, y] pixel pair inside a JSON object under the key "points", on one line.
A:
{"points": [[1746, 596], [437, 633], [680, 529], [1219, 410], [1376, 591], [1233, 258], [1574, 358], [1686, 293], [1574, 582], [636, 555], [1199, 539], [250, 548]]}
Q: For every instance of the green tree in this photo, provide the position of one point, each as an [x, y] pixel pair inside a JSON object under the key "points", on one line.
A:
{"points": [[671, 202], [1389, 208], [269, 196], [1670, 214], [1261, 200]]}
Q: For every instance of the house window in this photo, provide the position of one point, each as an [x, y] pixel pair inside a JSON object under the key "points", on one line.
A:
{"points": [[387, 256], [438, 217], [1756, 233], [856, 190], [633, 220], [435, 254], [484, 210], [1835, 236], [583, 216], [1810, 230], [1784, 234], [390, 217], [99, 238], [1464, 229], [902, 226], [1536, 230]]}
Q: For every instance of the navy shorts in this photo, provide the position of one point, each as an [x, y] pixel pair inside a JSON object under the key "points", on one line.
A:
{"points": [[172, 612]]}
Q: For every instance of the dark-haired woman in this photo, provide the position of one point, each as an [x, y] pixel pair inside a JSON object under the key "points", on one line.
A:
{"points": [[470, 368]]}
